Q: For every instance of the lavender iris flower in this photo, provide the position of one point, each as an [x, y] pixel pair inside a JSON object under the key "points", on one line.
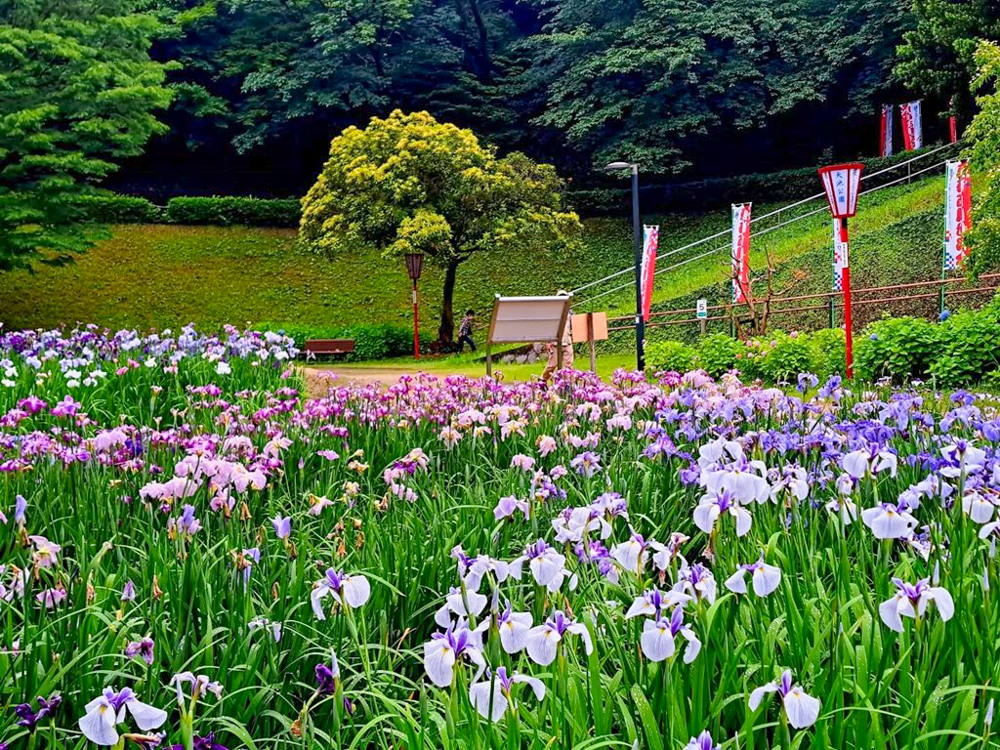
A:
{"points": [[444, 650], [912, 600], [801, 709], [108, 710], [658, 640], [543, 640], [349, 590], [500, 688], [765, 578], [282, 527]]}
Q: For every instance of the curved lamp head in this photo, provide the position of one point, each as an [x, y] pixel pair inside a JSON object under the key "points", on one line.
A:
{"points": [[620, 165]]}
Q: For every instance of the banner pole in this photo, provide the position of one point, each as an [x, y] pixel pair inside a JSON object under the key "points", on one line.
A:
{"points": [[846, 276], [640, 328]]}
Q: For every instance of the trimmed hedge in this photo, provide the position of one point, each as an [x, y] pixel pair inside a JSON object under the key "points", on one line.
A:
{"points": [[217, 210], [221, 210], [121, 209]]}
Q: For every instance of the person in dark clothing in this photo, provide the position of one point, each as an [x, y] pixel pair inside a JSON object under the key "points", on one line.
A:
{"points": [[465, 331]]}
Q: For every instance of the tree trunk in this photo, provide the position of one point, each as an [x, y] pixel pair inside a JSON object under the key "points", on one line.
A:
{"points": [[446, 332]]}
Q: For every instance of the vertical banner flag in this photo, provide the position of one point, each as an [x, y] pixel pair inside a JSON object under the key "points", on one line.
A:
{"points": [[913, 133], [885, 136], [957, 213], [741, 252], [840, 254], [952, 121], [650, 241]]}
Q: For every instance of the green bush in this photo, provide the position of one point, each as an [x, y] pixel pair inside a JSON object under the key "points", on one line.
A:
{"points": [[827, 352], [969, 346], [120, 209], [787, 355], [379, 341], [899, 348], [666, 356], [719, 353], [221, 210]]}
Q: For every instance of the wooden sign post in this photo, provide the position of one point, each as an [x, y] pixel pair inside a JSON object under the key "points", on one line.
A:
{"points": [[590, 327]]}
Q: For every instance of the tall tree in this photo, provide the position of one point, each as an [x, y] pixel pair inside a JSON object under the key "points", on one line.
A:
{"points": [[984, 135], [79, 93], [408, 183], [937, 56]]}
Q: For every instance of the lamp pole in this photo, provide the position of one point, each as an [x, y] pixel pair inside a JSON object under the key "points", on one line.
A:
{"points": [[842, 184], [414, 265], [640, 326]]}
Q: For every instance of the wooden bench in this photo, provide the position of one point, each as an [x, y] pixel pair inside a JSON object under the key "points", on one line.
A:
{"points": [[314, 347]]}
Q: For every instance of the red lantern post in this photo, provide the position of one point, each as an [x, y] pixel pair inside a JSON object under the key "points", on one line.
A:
{"points": [[414, 265], [842, 184]]}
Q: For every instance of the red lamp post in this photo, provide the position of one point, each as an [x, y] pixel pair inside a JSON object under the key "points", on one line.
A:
{"points": [[414, 265], [842, 183]]}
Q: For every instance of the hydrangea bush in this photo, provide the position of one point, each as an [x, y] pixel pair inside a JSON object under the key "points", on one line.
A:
{"points": [[195, 555]]}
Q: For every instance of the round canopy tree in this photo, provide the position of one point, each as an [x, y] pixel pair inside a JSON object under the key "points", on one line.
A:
{"points": [[408, 183]]}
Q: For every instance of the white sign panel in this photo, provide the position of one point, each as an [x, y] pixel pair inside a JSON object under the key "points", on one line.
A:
{"points": [[528, 319], [702, 308]]}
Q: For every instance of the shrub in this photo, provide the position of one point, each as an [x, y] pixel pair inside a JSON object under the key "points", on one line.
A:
{"points": [[377, 341], [787, 355], [898, 348], [120, 209], [719, 353], [969, 346], [827, 352], [235, 210], [671, 356]]}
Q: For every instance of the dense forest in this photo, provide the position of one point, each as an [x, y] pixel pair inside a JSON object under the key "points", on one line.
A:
{"points": [[689, 88]]}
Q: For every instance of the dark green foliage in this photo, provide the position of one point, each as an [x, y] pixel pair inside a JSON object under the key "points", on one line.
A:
{"points": [[79, 94], [220, 211], [937, 56], [984, 134], [898, 348], [784, 185]]}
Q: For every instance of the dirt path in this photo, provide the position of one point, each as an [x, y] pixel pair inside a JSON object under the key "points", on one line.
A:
{"points": [[318, 379]]}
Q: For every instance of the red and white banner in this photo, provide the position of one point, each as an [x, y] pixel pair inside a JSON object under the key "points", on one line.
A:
{"points": [[885, 132], [650, 241], [957, 213], [741, 252], [841, 262], [913, 132], [952, 121]]}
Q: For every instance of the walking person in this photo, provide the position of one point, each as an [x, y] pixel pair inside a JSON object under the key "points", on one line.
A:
{"points": [[567, 348], [465, 331]]}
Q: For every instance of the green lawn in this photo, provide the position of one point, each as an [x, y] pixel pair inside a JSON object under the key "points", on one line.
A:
{"points": [[164, 275]]}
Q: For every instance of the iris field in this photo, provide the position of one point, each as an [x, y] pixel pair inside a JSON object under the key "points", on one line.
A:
{"points": [[193, 555]]}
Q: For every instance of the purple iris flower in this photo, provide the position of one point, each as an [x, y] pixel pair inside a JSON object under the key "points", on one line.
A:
{"points": [[143, 649], [29, 718], [20, 506], [702, 742], [203, 743]]}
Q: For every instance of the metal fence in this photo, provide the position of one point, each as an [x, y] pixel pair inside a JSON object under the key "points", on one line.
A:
{"points": [[869, 303]]}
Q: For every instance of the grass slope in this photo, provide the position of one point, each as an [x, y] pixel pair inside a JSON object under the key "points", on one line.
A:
{"points": [[159, 275]]}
